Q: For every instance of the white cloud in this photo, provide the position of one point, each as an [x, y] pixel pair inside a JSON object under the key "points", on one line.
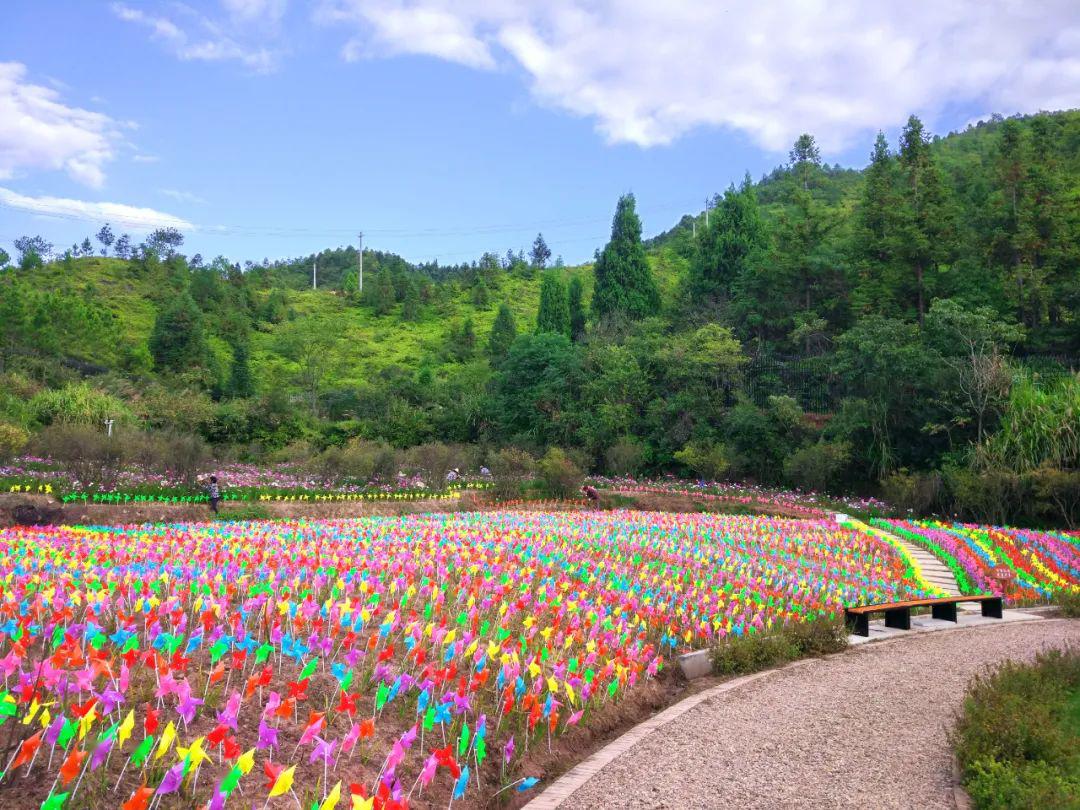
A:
{"points": [[183, 196], [38, 131], [125, 216], [211, 43], [648, 72]]}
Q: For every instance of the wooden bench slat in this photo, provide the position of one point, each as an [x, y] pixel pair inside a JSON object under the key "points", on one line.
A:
{"points": [[943, 600]]}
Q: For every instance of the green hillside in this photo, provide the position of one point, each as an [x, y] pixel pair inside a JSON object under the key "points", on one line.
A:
{"points": [[828, 327]]}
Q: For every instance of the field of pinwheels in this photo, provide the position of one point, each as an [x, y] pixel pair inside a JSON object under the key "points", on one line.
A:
{"points": [[1022, 565], [426, 660]]}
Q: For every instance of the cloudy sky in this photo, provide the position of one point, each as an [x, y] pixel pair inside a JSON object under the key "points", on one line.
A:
{"points": [[443, 128]]}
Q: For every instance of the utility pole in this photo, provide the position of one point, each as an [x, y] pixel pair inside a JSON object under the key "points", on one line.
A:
{"points": [[108, 427], [315, 273], [706, 212], [693, 226], [360, 280]]}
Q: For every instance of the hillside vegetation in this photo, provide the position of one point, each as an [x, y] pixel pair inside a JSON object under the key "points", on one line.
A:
{"points": [[912, 325]]}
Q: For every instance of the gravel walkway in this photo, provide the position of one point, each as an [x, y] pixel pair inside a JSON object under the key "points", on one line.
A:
{"points": [[863, 729]]}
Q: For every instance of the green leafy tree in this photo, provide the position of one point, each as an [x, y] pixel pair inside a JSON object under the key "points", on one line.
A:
{"points": [[624, 282], [537, 392], [553, 314], [503, 333]]}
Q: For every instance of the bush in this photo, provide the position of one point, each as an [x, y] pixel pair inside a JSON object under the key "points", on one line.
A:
{"points": [[561, 476], [708, 461], [510, 469], [358, 461], [13, 440], [920, 493], [988, 496], [817, 467], [1058, 494], [823, 635], [625, 457], [88, 455], [743, 655], [1068, 599], [79, 404], [1014, 739], [432, 461]]}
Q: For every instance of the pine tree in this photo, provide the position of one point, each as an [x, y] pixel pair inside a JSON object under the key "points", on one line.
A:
{"points": [[410, 302], [554, 312], [926, 223], [735, 234], [874, 235], [503, 333], [177, 342], [624, 283], [540, 253], [805, 157], [381, 293], [241, 384], [576, 295]]}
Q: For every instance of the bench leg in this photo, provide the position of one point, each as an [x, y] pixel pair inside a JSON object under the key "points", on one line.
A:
{"points": [[898, 618], [858, 624], [946, 612], [992, 608]]}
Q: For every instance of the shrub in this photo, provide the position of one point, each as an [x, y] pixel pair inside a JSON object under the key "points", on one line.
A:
{"points": [[742, 655], [78, 404], [1013, 739], [1068, 599], [708, 461], [432, 461], [625, 457], [989, 496], [561, 476], [1058, 493], [89, 456], [12, 441], [818, 466], [920, 493], [819, 636], [510, 469]]}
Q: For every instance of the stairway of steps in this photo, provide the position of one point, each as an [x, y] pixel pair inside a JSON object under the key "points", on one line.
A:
{"points": [[934, 570]]}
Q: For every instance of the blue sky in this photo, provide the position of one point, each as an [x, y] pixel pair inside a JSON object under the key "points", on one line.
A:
{"points": [[273, 128]]}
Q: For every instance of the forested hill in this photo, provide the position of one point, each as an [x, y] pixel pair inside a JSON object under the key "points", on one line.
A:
{"points": [[854, 294]]}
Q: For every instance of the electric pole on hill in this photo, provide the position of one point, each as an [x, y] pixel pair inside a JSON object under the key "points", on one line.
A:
{"points": [[360, 280], [315, 274], [706, 213]]}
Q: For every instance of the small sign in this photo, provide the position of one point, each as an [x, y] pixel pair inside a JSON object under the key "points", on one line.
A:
{"points": [[1002, 573]]}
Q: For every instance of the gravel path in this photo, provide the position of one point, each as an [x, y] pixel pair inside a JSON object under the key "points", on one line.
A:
{"points": [[863, 729]]}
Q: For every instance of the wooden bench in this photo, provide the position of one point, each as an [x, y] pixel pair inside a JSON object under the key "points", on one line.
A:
{"points": [[898, 614]]}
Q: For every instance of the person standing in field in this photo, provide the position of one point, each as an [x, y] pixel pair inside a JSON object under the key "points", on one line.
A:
{"points": [[213, 491]]}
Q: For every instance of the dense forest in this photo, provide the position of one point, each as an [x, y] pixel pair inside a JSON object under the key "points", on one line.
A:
{"points": [[912, 328]]}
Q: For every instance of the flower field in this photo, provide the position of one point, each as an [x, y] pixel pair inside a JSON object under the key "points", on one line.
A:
{"points": [[382, 662], [1022, 565]]}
